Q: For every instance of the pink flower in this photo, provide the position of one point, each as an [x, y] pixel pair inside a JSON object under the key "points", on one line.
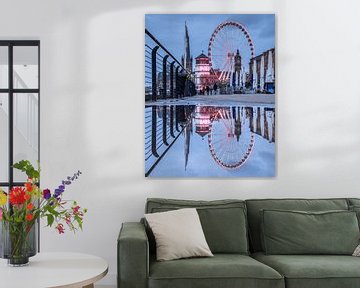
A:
{"points": [[1, 213], [60, 228], [68, 219]]}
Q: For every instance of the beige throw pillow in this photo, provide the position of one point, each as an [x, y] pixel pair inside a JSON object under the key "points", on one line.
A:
{"points": [[178, 234], [357, 251]]}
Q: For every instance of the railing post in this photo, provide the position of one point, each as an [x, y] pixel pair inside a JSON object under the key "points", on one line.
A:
{"points": [[172, 121], [177, 82], [164, 72], [172, 79], [153, 70], [153, 131], [164, 119]]}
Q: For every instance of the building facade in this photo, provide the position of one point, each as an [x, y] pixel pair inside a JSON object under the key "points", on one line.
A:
{"points": [[204, 75], [262, 72]]}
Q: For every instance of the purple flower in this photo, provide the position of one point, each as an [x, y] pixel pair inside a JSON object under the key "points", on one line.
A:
{"points": [[46, 194], [68, 181], [58, 192]]}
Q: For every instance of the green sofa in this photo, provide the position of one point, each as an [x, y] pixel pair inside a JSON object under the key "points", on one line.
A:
{"points": [[233, 230]]}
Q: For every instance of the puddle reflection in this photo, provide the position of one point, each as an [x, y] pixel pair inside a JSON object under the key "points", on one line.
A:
{"points": [[209, 141]]}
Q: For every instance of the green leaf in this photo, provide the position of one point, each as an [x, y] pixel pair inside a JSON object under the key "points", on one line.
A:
{"points": [[50, 219], [28, 168], [79, 221]]}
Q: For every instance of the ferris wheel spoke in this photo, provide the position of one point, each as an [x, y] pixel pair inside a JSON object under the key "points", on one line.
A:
{"points": [[218, 152], [230, 39], [220, 45], [220, 133], [220, 56], [218, 39], [224, 158], [234, 36], [238, 35], [223, 38], [227, 39], [222, 152], [218, 62], [220, 42], [230, 158], [217, 141], [227, 123]]}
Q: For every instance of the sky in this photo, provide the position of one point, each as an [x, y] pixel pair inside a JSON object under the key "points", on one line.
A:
{"points": [[169, 30]]}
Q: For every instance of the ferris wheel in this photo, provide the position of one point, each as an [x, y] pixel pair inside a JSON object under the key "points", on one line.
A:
{"points": [[230, 144], [225, 41]]}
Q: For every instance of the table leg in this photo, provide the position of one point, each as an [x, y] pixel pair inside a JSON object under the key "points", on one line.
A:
{"points": [[89, 286]]}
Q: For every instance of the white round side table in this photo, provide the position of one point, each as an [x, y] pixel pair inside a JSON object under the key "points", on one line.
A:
{"points": [[50, 270]]}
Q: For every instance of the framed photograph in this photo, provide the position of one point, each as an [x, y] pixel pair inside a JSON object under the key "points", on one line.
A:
{"points": [[210, 95]]}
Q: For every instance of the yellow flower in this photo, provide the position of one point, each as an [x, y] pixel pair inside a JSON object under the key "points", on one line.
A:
{"points": [[3, 198]]}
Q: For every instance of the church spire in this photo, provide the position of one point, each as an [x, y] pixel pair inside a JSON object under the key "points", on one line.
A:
{"points": [[187, 62]]}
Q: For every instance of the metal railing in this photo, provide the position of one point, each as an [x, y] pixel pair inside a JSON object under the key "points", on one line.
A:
{"points": [[165, 76], [162, 128]]}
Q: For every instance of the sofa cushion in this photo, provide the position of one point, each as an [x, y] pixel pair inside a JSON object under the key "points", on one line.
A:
{"points": [[222, 270], [313, 271], [297, 232], [254, 207], [223, 221]]}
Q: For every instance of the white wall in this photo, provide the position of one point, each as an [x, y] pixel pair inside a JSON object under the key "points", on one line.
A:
{"points": [[92, 101]]}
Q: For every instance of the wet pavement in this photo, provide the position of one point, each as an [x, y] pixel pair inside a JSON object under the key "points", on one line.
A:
{"points": [[219, 100]]}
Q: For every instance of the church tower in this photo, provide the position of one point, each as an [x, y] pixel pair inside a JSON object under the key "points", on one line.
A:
{"points": [[237, 72], [186, 59]]}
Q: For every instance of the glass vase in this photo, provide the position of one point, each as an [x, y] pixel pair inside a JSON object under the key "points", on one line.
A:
{"points": [[18, 242]]}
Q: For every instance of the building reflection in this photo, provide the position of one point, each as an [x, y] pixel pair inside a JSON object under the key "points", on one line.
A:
{"points": [[165, 124], [184, 116]]}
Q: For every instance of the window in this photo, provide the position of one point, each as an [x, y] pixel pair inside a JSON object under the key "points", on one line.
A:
{"points": [[19, 108]]}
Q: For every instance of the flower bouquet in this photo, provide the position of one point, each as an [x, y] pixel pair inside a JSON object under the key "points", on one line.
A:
{"points": [[21, 208]]}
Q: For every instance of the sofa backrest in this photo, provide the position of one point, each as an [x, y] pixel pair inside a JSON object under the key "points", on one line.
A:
{"points": [[256, 205], [223, 221], [353, 202]]}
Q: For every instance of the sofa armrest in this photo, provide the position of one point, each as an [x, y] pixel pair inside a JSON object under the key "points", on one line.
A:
{"points": [[133, 256]]}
